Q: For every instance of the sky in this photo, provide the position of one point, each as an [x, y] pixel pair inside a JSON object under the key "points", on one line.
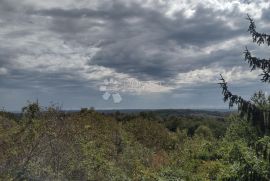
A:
{"points": [[127, 54]]}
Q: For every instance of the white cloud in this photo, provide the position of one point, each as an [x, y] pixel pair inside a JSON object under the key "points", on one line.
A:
{"points": [[226, 45], [3, 71], [253, 7], [203, 75]]}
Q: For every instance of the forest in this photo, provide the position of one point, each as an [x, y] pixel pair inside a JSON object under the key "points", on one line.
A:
{"points": [[48, 143], [51, 144]]}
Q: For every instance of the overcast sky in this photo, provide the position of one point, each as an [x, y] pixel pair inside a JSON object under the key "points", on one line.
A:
{"points": [[161, 53]]}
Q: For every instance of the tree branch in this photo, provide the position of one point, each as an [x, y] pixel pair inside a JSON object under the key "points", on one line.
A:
{"points": [[259, 38], [255, 62]]}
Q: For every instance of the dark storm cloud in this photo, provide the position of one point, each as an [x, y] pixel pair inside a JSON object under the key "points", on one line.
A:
{"points": [[203, 28], [18, 79], [117, 11], [7, 6], [133, 39], [140, 41], [5, 57]]}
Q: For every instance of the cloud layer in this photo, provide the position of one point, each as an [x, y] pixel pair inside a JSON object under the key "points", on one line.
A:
{"points": [[70, 47]]}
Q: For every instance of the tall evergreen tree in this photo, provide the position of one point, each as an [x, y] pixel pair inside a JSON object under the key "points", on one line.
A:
{"points": [[259, 116]]}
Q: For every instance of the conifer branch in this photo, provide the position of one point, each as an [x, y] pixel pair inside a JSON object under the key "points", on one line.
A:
{"points": [[233, 99], [255, 62], [259, 38], [246, 108]]}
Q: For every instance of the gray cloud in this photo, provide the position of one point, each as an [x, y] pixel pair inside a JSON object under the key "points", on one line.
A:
{"points": [[76, 47], [142, 42]]}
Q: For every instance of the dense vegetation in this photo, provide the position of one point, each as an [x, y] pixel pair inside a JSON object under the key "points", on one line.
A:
{"points": [[50, 144], [255, 112]]}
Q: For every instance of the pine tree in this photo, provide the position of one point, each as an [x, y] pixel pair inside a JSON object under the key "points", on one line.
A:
{"points": [[258, 116]]}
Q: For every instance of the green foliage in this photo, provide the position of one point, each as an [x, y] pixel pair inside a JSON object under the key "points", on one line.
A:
{"points": [[242, 163], [48, 144], [204, 132], [243, 152], [241, 129], [31, 111], [191, 123], [151, 134]]}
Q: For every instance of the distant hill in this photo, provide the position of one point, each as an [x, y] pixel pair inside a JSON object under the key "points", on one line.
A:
{"points": [[174, 112]]}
